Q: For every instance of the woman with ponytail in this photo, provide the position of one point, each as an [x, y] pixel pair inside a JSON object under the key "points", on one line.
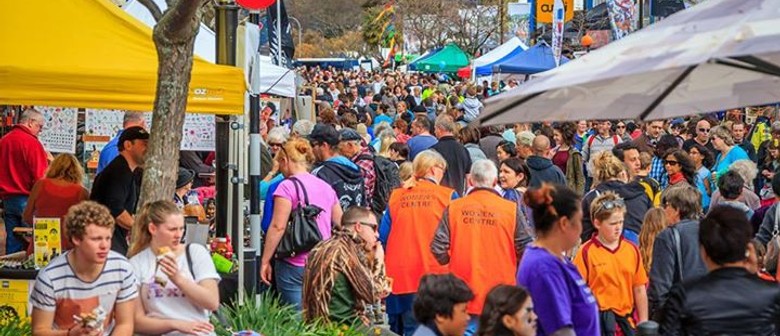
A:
{"points": [[508, 311], [177, 283], [562, 300]]}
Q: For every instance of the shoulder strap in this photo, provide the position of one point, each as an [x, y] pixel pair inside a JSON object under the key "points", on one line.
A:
{"points": [[298, 190], [590, 140], [678, 252], [189, 260], [776, 229]]}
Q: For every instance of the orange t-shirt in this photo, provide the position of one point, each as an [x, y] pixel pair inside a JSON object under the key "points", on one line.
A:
{"points": [[612, 275]]}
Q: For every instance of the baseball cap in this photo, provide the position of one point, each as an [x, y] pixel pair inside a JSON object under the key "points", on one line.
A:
{"points": [[324, 134], [348, 134], [132, 133], [525, 138]]}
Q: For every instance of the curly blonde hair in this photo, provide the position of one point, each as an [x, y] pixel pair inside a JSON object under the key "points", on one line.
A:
{"points": [[86, 213]]}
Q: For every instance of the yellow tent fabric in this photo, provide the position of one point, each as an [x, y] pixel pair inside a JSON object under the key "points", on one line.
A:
{"points": [[91, 54]]}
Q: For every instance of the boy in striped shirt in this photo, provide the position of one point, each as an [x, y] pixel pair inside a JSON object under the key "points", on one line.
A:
{"points": [[84, 280]]}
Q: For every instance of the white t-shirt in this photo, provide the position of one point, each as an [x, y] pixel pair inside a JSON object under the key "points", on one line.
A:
{"points": [[59, 290], [169, 302]]}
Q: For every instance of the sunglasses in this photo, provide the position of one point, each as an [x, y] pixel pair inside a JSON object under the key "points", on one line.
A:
{"points": [[621, 126], [373, 226], [671, 162], [609, 205], [274, 144], [704, 130]]}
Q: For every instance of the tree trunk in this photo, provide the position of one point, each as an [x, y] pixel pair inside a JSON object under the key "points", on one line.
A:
{"points": [[174, 38]]}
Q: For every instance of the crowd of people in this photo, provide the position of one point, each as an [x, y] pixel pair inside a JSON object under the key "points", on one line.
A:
{"points": [[399, 201]]}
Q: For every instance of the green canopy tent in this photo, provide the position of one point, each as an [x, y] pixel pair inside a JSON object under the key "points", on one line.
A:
{"points": [[448, 59]]}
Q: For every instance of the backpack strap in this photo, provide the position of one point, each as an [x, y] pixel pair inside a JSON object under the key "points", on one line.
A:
{"points": [[189, 260]]}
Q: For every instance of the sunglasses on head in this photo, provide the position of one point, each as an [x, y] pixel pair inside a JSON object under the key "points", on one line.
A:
{"points": [[609, 205]]}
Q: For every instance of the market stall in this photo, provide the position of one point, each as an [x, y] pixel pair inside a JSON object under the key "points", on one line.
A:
{"points": [[91, 54], [448, 59]]}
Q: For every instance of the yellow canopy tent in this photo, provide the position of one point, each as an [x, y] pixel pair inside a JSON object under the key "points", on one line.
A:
{"points": [[91, 54]]}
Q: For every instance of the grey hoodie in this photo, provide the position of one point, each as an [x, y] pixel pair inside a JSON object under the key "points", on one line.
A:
{"points": [[471, 108]]}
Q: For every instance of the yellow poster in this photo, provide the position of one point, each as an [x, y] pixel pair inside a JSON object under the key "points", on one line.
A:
{"points": [[14, 297], [46, 234]]}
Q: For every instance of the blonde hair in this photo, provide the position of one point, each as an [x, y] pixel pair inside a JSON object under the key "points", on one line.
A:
{"points": [[66, 167], [607, 166], [405, 170], [297, 150], [86, 213], [422, 163], [386, 138], [653, 224], [156, 212]]}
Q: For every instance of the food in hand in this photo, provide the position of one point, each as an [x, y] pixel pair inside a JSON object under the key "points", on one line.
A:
{"points": [[92, 320], [162, 253]]}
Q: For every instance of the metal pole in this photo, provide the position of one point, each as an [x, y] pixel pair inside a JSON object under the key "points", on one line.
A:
{"points": [[226, 24], [641, 14], [532, 23], [279, 32], [254, 163]]}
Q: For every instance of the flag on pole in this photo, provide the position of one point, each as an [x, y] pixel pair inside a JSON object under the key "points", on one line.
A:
{"points": [[559, 19]]}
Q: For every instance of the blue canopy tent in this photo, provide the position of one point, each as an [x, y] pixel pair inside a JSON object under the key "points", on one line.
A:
{"points": [[538, 58], [484, 64]]}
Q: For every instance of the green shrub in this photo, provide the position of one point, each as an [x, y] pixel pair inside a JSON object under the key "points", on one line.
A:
{"points": [[15, 327], [270, 317]]}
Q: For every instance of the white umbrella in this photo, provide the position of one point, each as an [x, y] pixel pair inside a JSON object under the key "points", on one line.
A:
{"points": [[716, 55]]}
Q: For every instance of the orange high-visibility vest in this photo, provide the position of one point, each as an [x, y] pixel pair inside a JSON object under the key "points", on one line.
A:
{"points": [[415, 214], [482, 249]]}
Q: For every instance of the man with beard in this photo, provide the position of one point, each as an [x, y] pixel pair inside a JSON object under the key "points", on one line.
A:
{"points": [[118, 186]]}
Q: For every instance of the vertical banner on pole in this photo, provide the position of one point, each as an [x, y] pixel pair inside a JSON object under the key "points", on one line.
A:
{"points": [[623, 17], [557, 34]]}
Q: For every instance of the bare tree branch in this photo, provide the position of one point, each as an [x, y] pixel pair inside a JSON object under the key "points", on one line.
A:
{"points": [[153, 8]]}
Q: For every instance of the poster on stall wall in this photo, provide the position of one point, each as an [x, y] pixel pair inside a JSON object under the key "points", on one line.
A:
{"points": [[198, 132], [59, 132], [622, 14], [100, 126], [14, 299], [46, 235], [103, 125]]}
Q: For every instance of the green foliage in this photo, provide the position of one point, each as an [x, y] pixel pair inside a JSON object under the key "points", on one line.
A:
{"points": [[15, 327], [372, 28], [269, 317]]}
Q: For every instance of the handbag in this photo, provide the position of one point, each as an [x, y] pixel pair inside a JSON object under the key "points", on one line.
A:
{"points": [[302, 231]]}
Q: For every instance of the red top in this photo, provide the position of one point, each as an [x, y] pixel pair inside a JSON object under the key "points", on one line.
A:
{"points": [[560, 159], [23, 162], [52, 199]]}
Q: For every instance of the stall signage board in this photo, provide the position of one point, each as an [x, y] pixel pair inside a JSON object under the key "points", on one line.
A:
{"points": [[46, 235], [14, 299]]}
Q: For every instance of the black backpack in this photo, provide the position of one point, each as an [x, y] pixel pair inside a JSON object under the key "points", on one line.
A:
{"points": [[387, 179]]}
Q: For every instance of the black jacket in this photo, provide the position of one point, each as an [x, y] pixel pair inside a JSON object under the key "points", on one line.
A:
{"points": [[633, 194], [727, 301], [543, 170], [346, 180], [458, 163], [664, 271]]}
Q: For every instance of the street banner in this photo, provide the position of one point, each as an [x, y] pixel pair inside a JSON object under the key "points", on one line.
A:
{"points": [[557, 33], [622, 14]]}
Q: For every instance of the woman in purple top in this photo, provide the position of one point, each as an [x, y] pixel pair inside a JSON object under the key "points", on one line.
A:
{"points": [[294, 159], [562, 301]]}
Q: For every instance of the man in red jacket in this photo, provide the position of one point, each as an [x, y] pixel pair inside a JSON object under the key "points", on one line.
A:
{"points": [[24, 161]]}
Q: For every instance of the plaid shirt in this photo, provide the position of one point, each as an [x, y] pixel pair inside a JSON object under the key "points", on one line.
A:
{"points": [[367, 167], [658, 172]]}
